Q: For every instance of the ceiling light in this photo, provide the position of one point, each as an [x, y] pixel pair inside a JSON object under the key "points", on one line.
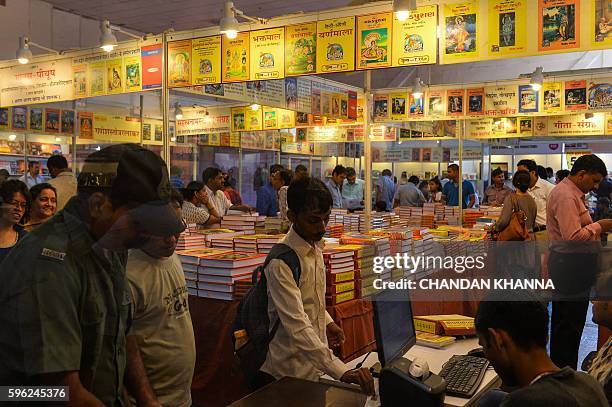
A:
{"points": [[173, 139], [178, 112], [108, 41], [58, 139], [417, 90], [402, 8], [13, 137], [24, 53], [229, 25], [537, 78], [255, 107]]}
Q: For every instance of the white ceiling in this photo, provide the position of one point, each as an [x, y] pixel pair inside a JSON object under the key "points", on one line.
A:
{"points": [[155, 16]]}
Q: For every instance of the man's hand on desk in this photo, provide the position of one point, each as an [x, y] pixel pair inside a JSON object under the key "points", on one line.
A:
{"points": [[362, 377], [335, 335]]}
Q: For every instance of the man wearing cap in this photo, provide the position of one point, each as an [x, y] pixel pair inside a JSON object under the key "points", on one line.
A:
{"points": [[65, 304]]}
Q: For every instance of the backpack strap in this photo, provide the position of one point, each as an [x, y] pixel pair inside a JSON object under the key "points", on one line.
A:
{"points": [[285, 253]]}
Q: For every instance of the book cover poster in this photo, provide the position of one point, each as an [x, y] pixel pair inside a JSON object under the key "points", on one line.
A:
{"points": [[97, 78], [374, 38], [80, 80], [336, 45], [270, 118], [601, 23], [416, 154], [558, 25], [507, 27], [267, 49], [179, 63], [301, 49], [526, 126], [67, 121], [475, 98], [335, 105], [4, 117], [552, 96], [528, 99], [600, 96], [436, 103], [398, 106], [133, 79], [114, 76], [36, 119], [206, 60], [86, 125], [19, 118], [253, 119], [326, 102], [381, 107], [352, 105], [455, 99], [417, 106], [575, 95], [426, 155], [238, 119], [291, 93], [501, 100], [151, 58], [235, 58], [52, 120], [460, 31], [415, 41], [286, 118]]}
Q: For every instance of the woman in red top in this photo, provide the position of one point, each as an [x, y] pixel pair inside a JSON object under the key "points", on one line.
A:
{"points": [[231, 193]]}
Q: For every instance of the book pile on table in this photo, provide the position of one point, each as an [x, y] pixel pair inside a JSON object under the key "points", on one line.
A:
{"points": [[222, 243], [266, 242], [217, 273], [273, 223], [210, 234], [340, 275], [189, 240], [364, 267], [245, 222], [491, 211], [190, 260], [452, 215], [334, 231], [429, 215], [246, 243], [438, 211], [469, 217], [241, 287], [423, 245]]}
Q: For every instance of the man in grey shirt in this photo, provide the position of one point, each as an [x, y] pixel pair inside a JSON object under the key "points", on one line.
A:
{"points": [[409, 194]]}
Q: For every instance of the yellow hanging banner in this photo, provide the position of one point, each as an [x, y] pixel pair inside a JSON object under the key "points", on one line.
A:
{"points": [[235, 58], [507, 28], [552, 98], [415, 41], [601, 24], [336, 45], [374, 39], [267, 54], [301, 49], [206, 57], [461, 29], [116, 128]]}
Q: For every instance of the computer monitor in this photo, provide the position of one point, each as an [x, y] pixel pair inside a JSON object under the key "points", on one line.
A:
{"points": [[393, 325]]}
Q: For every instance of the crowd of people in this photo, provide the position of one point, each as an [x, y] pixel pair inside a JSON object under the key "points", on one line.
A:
{"points": [[94, 296]]}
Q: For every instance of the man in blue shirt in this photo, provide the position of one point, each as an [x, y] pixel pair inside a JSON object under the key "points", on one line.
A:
{"points": [[450, 192], [385, 189], [353, 190], [267, 199], [335, 185]]}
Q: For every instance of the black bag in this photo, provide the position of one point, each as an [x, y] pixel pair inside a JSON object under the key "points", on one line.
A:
{"points": [[252, 314]]}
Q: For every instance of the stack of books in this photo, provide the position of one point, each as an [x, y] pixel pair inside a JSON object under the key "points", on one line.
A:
{"points": [[340, 275], [429, 215], [246, 243], [222, 243], [469, 217], [266, 242], [241, 287], [190, 260], [364, 267], [244, 222], [189, 240], [273, 223], [217, 273], [439, 211], [334, 230]]}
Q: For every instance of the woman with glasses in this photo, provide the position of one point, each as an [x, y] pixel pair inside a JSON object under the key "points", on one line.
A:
{"points": [[15, 201], [44, 205]]}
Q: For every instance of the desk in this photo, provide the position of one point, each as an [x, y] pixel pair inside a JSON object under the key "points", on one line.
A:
{"points": [[436, 358]]}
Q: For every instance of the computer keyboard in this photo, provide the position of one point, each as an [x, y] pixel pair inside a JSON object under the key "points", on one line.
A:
{"points": [[463, 374]]}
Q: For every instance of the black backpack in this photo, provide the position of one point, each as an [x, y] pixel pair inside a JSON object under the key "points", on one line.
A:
{"points": [[252, 314]]}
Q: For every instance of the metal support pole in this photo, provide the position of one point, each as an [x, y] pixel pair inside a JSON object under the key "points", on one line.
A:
{"points": [[77, 130], [367, 146], [141, 119], [240, 169], [461, 134], [165, 103]]}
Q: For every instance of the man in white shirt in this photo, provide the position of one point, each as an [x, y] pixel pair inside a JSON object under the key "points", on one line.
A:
{"points": [[32, 176], [213, 179], [539, 189], [161, 324], [300, 347], [63, 180]]}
